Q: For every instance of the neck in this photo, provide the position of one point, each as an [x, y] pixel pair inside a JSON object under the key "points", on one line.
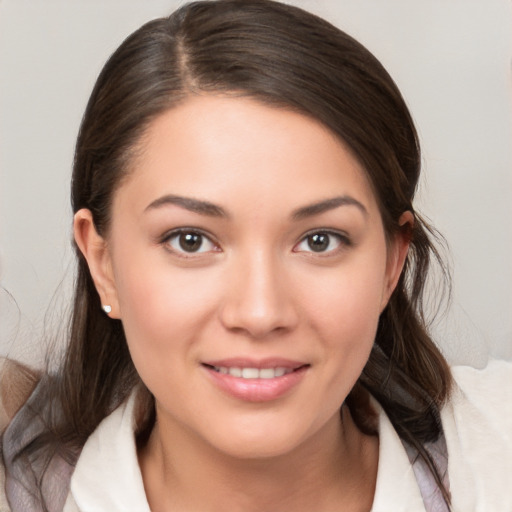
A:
{"points": [[334, 470]]}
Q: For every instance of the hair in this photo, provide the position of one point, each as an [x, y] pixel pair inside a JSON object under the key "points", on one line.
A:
{"points": [[280, 56]]}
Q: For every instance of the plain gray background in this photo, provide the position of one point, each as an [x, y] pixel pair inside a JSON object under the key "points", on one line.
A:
{"points": [[450, 58]]}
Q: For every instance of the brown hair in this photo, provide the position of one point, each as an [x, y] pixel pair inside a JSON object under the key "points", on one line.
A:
{"points": [[282, 56]]}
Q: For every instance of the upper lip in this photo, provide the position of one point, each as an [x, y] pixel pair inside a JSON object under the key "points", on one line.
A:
{"points": [[243, 362]]}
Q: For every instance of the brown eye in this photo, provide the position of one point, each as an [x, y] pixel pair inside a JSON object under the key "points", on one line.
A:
{"points": [[319, 242], [322, 242], [190, 242]]}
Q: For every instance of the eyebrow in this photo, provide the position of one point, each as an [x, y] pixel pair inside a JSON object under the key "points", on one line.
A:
{"points": [[188, 203], [326, 205], [213, 210]]}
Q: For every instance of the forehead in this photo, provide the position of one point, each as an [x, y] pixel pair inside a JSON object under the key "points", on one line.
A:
{"points": [[237, 150]]}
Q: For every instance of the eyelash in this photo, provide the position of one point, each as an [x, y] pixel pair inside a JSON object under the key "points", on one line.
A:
{"points": [[174, 236], [343, 241]]}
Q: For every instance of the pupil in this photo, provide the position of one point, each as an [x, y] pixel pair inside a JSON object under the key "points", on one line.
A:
{"points": [[190, 242], [318, 242]]}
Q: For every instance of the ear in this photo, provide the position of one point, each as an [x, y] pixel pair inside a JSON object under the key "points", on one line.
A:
{"points": [[96, 252], [397, 253]]}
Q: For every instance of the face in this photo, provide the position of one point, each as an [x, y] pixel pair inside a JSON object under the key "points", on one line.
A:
{"points": [[248, 263]]}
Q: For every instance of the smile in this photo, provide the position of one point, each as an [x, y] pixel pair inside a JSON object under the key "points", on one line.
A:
{"points": [[253, 373], [256, 381]]}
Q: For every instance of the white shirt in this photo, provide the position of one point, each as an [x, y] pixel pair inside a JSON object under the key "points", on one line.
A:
{"points": [[477, 423]]}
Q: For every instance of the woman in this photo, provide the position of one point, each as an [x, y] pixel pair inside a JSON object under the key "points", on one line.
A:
{"points": [[247, 329]]}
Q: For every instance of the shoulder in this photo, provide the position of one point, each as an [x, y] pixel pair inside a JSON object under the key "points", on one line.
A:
{"points": [[495, 372], [477, 423], [17, 382], [486, 393]]}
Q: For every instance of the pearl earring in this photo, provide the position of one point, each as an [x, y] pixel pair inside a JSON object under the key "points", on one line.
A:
{"points": [[107, 308]]}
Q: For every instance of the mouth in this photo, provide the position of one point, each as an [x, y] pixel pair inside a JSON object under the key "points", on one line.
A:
{"points": [[253, 381], [254, 373]]}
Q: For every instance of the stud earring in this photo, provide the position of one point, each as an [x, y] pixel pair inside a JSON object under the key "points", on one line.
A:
{"points": [[107, 308]]}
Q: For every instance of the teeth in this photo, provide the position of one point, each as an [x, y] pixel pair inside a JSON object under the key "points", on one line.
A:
{"points": [[253, 373], [268, 373], [250, 373], [279, 372], [235, 372]]}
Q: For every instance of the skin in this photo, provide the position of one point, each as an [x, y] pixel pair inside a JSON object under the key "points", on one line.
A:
{"points": [[255, 289]]}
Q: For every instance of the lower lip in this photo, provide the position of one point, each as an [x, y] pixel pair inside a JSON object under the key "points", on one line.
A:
{"points": [[257, 390]]}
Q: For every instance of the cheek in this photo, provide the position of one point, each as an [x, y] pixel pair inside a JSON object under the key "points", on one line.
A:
{"points": [[350, 302], [350, 330], [162, 309], [344, 312]]}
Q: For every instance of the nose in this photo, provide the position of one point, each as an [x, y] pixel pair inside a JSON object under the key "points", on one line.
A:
{"points": [[259, 301]]}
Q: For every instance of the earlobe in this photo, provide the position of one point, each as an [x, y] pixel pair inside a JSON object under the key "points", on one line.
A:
{"points": [[96, 252], [397, 255]]}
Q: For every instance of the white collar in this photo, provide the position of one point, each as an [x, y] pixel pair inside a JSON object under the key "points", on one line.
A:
{"points": [[397, 489], [107, 475]]}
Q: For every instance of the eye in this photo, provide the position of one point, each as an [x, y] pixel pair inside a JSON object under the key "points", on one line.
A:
{"points": [[322, 242], [189, 241]]}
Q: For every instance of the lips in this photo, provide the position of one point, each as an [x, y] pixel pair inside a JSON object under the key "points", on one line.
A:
{"points": [[256, 381], [253, 373]]}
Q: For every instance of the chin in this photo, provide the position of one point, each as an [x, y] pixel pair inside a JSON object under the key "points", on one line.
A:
{"points": [[264, 440], [258, 448]]}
